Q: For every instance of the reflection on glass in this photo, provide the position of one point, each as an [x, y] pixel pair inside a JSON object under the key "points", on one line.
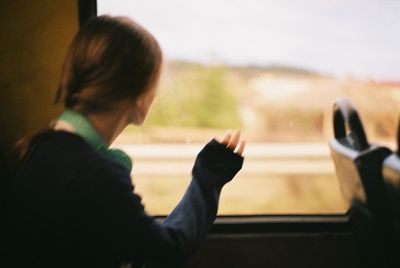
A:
{"points": [[272, 69]]}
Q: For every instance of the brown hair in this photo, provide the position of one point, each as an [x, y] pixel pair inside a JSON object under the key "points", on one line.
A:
{"points": [[110, 59]]}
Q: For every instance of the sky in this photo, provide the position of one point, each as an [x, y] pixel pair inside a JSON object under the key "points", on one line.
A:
{"points": [[345, 38]]}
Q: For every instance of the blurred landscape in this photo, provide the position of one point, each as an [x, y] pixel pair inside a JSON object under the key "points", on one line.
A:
{"points": [[285, 115]]}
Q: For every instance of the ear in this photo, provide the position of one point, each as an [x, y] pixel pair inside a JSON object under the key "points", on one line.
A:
{"points": [[139, 102], [136, 111]]}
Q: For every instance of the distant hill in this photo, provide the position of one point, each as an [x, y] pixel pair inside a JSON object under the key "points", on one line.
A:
{"points": [[279, 69], [251, 69]]}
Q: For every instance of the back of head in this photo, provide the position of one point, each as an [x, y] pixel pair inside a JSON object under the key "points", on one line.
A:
{"points": [[110, 59]]}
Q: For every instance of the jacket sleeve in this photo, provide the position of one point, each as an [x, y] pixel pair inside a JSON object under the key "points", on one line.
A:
{"points": [[118, 219]]}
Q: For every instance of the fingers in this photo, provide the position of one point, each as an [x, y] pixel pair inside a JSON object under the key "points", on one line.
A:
{"points": [[240, 148], [226, 138], [233, 142]]}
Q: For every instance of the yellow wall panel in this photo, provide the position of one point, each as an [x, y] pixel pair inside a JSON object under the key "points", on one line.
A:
{"points": [[34, 38]]}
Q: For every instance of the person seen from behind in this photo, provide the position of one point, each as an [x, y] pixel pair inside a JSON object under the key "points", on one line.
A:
{"points": [[72, 202]]}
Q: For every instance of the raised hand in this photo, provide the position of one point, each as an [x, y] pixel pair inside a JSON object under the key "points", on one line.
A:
{"points": [[220, 160], [232, 141]]}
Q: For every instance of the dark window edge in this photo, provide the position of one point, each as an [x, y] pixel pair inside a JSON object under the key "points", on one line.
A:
{"points": [[86, 9], [319, 223], [282, 224]]}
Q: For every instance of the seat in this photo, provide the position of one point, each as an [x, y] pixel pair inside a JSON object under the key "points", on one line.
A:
{"points": [[391, 175], [358, 167]]}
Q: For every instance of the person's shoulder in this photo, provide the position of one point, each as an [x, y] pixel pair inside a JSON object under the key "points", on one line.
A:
{"points": [[62, 139], [61, 142], [70, 154], [91, 160]]}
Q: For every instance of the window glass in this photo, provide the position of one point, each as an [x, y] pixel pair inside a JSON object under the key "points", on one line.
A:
{"points": [[272, 69]]}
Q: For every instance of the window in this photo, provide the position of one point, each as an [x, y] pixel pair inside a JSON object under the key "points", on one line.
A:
{"points": [[272, 69]]}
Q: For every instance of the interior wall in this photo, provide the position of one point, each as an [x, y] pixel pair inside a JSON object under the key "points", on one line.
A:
{"points": [[34, 38]]}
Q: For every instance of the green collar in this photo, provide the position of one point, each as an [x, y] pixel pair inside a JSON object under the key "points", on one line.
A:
{"points": [[84, 129]]}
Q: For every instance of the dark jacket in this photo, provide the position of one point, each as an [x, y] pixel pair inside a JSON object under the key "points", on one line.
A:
{"points": [[72, 207]]}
